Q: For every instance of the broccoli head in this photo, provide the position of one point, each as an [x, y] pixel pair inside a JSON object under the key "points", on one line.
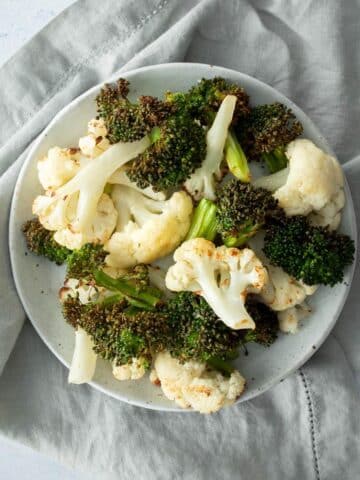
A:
{"points": [[241, 210], [204, 99], [178, 148], [265, 133], [312, 254], [266, 324], [126, 121], [82, 263], [197, 332], [41, 242], [117, 334]]}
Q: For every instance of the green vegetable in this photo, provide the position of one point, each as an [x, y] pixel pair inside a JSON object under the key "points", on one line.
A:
{"points": [[266, 321], [178, 148], [308, 253], [242, 210], [81, 263], [266, 131], [203, 101], [41, 242], [197, 333], [127, 121], [204, 221], [119, 336]]}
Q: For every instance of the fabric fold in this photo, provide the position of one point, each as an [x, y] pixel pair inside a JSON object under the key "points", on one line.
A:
{"points": [[308, 425]]}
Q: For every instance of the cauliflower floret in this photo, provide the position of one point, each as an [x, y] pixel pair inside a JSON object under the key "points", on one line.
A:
{"points": [[74, 206], [192, 385], [281, 291], [99, 230], [59, 166], [312, 182], [95, 142], [130, 371], [330, 215], [146, 229], [202, 182], [223, 276], [289, 319], [120, 178]]}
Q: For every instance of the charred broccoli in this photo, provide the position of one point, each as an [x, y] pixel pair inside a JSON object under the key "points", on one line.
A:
{"points": [[241, 210], [177, 141], [117, 335], [266, 321], [41, 242], [126, 121], [197, 333], [265, 133], [82, 263], [178, 148], [203, 101], [312, 254]]}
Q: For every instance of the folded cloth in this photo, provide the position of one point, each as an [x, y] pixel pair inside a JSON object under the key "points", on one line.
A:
{"points": [[308, 426]]}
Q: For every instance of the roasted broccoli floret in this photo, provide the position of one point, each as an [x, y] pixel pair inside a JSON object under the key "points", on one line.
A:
{"points": [[265, 133], [197, 332], [126, 121], [203, 101], [178, 148], [117, 334], [41, 242], [242, 210], [177, 140], [82, 263], [315, 255], [123, 319], [266, 321]]}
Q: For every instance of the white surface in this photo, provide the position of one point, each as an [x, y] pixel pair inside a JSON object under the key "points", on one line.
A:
{"points": [[19, 21]]}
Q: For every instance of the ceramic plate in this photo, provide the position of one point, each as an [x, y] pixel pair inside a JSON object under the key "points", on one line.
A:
{"points": [[38, 280]]}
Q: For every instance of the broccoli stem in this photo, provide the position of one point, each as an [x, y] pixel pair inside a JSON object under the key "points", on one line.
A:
{"points": [[221, 365], [236, 158], [203, 224], [155, 135], [143, 298], [275, 160], [246, 232]]}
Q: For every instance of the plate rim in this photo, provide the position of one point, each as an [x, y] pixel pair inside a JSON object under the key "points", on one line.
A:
{"points": [[223, 71]]}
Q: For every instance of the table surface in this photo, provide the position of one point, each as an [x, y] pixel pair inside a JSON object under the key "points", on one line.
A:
{"points": [[19, 21]]}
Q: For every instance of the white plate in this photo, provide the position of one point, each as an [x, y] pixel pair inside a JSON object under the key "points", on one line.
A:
{"points": [[38, 280]]}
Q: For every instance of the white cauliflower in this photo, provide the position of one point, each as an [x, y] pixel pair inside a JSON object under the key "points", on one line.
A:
{"points": [[120, 178], [223, 276], [76, 205], [130, 371], [192, 385], [289, 319], [95, 142], [146, 229], [282, 291], [202, 182], [312, 182], [59, 166], [99, 230]]}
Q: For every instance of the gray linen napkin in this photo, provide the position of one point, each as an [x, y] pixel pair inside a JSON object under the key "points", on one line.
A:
{"points": [[308, 426]]}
